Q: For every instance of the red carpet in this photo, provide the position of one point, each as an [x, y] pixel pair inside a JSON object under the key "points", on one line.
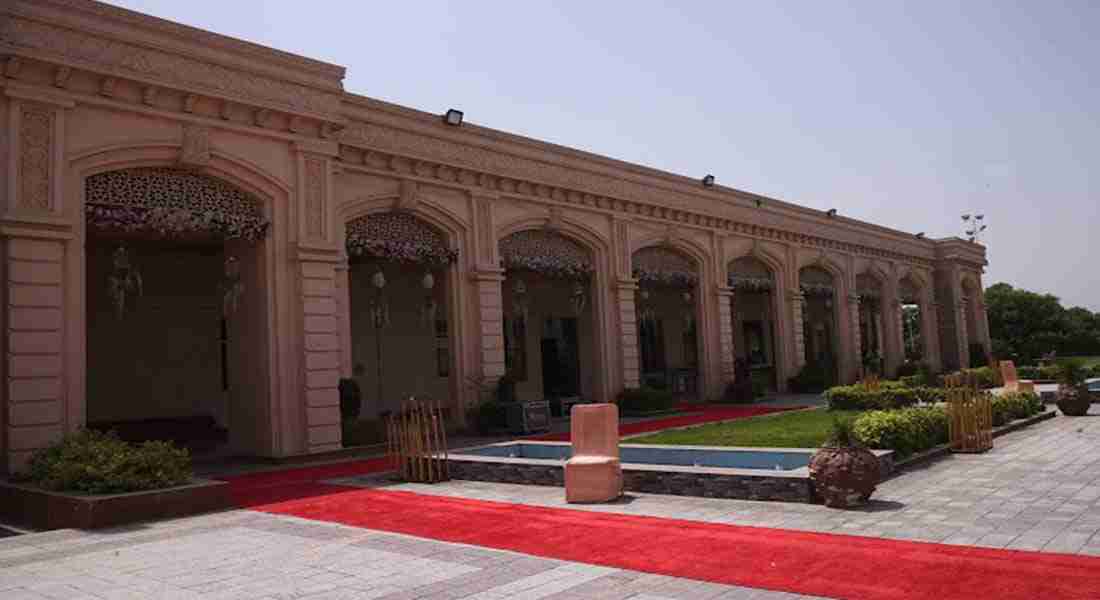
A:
{"points": [[701, 413], [807, 563]]}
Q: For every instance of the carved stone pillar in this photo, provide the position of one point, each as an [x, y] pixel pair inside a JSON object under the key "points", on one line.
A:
{"points": [[490, 310], [930, 333], [797, 301], [40, 264], [319, 258], [625, 291], [726, 297], [962, 333], [341, 309], [855, 338]]}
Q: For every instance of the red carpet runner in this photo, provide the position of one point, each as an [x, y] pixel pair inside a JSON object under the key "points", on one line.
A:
{"points": [[836, 566]]}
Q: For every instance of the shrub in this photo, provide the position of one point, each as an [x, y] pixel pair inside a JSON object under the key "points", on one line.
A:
{"points": [[1045, 372], [350, 399], [1015, 405], [645, 400], [99, 463], [987, 377], [889, 395], [363, 432], [1072, 371], [904, 431]]}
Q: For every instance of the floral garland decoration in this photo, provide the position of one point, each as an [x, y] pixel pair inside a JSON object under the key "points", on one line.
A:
{"points": [[745, 283], [400, 237], [662, 266], [546, 253], [817, 289], [171, 203]]}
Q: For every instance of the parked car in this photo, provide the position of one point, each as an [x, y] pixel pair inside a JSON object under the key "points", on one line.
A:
{"points": [[1094, 385]]}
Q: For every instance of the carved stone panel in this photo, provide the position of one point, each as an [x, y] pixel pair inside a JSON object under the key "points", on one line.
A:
{"points": [[36, 156], [315, 197], [196, 146]]}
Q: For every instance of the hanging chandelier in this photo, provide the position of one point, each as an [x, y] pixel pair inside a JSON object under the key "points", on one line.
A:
{"points": [[578, 298], [123, 280], [689, 310], [645, 306], [429, 308], [232, 288], [379, 309], [520, 300]]}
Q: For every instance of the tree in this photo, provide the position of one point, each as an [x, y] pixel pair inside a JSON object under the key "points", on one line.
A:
{"points": [[1025, 325]]}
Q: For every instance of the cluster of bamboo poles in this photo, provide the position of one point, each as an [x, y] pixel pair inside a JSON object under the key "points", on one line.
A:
{"points": [[969, 414], [417, 439]]}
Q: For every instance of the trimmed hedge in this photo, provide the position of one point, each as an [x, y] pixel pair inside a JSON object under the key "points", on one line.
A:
{"points": [[1045, 372], [905, 431], [889, 395], [919, 428], [1015, 405], [93, 462], [645, 400]]}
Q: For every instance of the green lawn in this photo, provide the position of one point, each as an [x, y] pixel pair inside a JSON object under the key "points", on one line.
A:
{"points": [[802, 429]]}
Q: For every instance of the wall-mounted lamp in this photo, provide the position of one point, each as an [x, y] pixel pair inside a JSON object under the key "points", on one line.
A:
{"points": [[708, 181], [453, 117], [831, 212], [920, 236]]}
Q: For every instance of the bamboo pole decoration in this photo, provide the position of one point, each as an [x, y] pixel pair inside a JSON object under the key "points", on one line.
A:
{"points": [[969, 414], [417, 439]]}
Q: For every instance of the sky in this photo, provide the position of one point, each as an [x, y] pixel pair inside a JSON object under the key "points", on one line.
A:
{"points": [[905, 114]]}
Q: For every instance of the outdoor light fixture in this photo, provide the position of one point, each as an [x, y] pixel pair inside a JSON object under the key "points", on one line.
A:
{"points": [[708, 181], [920, 236], [831, 212], [453, 117], [759, 203]]}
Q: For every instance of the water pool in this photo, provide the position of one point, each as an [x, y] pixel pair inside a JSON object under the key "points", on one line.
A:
{"points": [[714, 472], [685, 456]]}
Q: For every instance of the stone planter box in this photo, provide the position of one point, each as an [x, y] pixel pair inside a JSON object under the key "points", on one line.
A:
{"points": [[42, 509]]}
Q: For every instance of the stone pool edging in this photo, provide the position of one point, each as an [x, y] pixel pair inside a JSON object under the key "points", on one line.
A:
{"points": [[708, 482]]}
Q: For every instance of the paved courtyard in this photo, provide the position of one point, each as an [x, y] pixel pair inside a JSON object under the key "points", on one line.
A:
{"points": [[1039, 490]]}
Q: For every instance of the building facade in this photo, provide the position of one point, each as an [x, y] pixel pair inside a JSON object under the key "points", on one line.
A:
{"points": [[194, 225]]}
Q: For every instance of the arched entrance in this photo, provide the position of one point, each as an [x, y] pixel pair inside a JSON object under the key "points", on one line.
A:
{"points": [[756, 338], [550, 333], [872, 342], [668, 319], [820, 321], [176, 310], [400, 311], [914, 342]]}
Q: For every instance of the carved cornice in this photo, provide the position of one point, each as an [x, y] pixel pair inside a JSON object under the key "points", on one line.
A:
{"points": [[67, 47], [352, 153], [191, 35]]}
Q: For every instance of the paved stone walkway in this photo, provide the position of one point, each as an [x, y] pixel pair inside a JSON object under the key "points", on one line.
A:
{"points": [[246, 555], [1039, 489]]}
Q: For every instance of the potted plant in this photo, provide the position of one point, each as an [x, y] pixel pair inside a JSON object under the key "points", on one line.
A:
{"points": [[843, 472], [1073, 395]]}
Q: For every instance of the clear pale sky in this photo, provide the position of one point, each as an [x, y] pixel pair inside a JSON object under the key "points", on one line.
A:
{"points": [[905, 114]]}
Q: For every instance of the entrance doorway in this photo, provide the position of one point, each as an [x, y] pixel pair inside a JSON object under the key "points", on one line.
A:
{"points": [[176, 312], [561, 369]]}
